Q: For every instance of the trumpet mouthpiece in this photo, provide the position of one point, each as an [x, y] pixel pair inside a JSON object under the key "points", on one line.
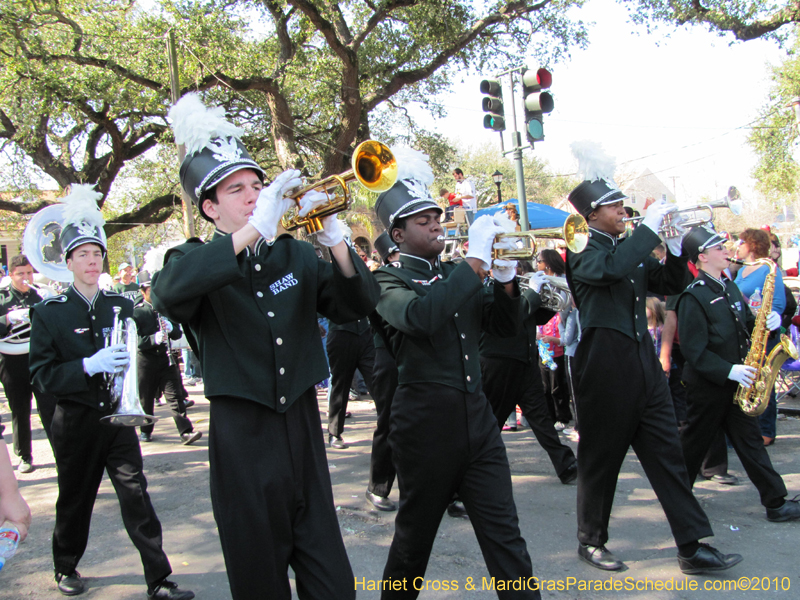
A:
{"points": [[440, 238]]}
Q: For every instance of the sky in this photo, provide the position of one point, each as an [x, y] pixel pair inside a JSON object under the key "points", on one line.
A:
{"points": [[678, 105]]}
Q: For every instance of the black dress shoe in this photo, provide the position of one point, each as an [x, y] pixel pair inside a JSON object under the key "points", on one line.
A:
{"points": [[725, 479], [570, 474], [380, 502], [167, 590], [457, 510], [145, 437], [188, 403], [336, 441], [70, 585], [706, 560], [790, 511], [599, 557], [191, 437]]}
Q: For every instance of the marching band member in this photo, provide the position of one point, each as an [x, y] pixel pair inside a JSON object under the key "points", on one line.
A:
{"points": [[68, 358], [384, 384], [15, 303], [158, 370], [715, 325], [434, 313], [623, 399], [249, 300], [511, 376]]}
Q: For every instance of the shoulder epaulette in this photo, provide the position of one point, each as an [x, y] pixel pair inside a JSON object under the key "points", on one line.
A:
{"points": [[59, 298], [194, 240], [110, 293], [696, 283]]}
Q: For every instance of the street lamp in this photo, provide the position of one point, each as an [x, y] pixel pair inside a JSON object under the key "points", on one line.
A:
{"points": [[497, 176]]}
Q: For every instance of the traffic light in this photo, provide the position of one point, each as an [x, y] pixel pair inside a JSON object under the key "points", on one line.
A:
{"points": [[493, 104], [536, 102]]}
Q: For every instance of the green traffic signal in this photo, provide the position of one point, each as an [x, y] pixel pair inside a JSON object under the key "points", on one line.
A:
{"points": [[492, 103]]}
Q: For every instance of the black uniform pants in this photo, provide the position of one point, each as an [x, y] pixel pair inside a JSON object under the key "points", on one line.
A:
{"points": [[508, 383], [156, 375], [83, 448], [273, 503], [711, 410], [384, 384], [555, 390], [16, 380], [433, 463], [347, 352], [624, 401]]}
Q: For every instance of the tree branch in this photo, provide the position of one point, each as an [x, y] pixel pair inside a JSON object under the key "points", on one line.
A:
{"points": [[155, 211]]}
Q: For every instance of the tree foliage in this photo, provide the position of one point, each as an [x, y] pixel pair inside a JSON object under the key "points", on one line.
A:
{"points": [[775, 137], [744, 19], [84, 84]]}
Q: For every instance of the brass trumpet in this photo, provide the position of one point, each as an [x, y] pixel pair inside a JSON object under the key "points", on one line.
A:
{"points": [[373, 165], [574, 232], [732, 201]]}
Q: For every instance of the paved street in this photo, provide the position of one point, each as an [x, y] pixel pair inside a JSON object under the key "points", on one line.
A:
{"points": [[178, 479]]}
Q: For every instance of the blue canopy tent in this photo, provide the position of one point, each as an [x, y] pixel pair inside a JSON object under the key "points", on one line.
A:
{"points": [[539, 215]]}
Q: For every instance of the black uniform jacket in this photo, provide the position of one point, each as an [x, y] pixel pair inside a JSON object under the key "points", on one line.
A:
{"points": [[254, 315], [522, 347], [12, 299], [610, 279], [147, 323], [433, 318], [65, 329], [357, 327], [714, 323]]}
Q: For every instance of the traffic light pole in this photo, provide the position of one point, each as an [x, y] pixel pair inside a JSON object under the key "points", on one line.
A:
{"points": [[516, 151]]}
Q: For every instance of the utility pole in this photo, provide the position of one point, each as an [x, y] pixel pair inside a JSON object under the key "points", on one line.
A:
{"points": [[172, 57]]}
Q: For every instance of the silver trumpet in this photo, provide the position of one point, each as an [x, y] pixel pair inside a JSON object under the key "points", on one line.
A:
{"points": [[554, 293], [123, 387], [691, 218]]}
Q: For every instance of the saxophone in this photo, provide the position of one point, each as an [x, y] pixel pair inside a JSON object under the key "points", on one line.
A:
{"points": [[753, 400]]}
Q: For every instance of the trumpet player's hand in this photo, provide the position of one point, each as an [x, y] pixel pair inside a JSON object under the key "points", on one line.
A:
{"points": [[167, 325], [655, 215], [744, 375], [536, 280], [481, 239], [20, 315], [311, 200], [504, 270], [107, 360], [272, 203], [158, 338], [773, 321], [332, 231]]}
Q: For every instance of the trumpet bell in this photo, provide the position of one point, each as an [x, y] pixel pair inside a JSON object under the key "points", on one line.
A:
{"points": [[574, 232], [373, 166]]}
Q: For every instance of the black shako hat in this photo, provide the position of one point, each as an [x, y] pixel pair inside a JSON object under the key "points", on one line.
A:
{"points": [[590, 195], [385, 246], [410, 194], [213, 147], [405, 198], [144, 279], [701, 238], [83, 221]]}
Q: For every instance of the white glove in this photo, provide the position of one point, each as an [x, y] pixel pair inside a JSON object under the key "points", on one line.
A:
{"points": [[272, 203], [743, 375], [158, 338], [536, 281], [332, 232], [504, 270], [655, 214], [20, 315], [311, 200], [481, 239], [167, 325], [106, 360], [773, 321]]}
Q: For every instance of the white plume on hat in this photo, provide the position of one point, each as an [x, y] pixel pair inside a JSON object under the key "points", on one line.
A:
{"points": [[154, 259], [195, 125], [593, 162], [80, 206], [413, 164]]}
